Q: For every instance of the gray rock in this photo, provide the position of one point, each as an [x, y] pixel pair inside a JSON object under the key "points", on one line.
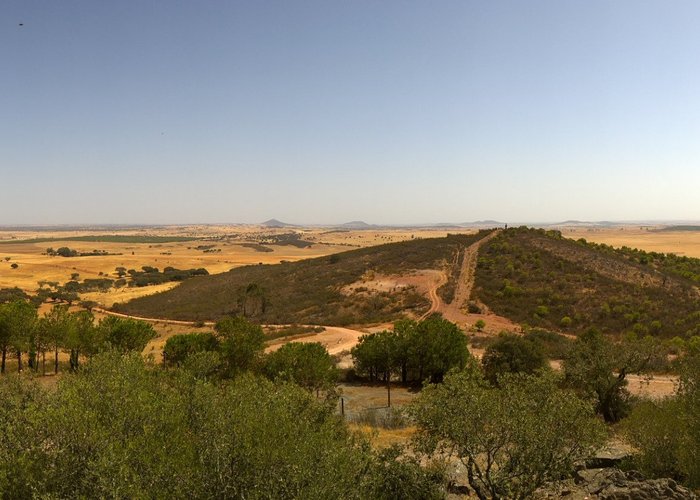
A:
{"points": [[614, 484]]}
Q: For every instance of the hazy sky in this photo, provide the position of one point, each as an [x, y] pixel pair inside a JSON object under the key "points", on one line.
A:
{"points": [[328, 111]]}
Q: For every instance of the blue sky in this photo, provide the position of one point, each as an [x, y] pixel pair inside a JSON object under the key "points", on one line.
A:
{"points": [[329, 111]]}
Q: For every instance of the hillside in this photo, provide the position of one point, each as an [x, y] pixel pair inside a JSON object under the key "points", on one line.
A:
{"points": [[308, 291], [538, 278]]}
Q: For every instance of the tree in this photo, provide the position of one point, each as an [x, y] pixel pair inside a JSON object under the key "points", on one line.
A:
{"points": [[438, 346], [418, 351], [372, 355], [17, 322], [125, 335], [53, 330], [307, 364], [512, 353], [82, 337], [179, 348], [241, 343], [667, 432], [512, 438], [598, 367], [5, 335]]}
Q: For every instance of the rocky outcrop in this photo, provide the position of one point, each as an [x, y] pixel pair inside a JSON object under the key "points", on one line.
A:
{"points": [[614, 484]]}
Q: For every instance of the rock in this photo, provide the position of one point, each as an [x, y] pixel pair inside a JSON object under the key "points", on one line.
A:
{"points": [[614, 484]]}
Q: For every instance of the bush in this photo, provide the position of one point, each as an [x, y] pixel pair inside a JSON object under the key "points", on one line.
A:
{"points": [[512, 353], [528, 431], [120, 429]]}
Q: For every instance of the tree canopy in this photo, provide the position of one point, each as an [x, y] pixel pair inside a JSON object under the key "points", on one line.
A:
{"points": [[510, 438]]}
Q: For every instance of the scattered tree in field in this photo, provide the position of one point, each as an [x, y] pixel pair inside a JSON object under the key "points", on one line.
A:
{"points": [[307, 364], [12, 294], [479, 325], [512, 438], [512, 353], [241, 344]]}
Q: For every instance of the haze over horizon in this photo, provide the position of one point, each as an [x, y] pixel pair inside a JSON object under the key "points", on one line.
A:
{"points": [[328, 112]]}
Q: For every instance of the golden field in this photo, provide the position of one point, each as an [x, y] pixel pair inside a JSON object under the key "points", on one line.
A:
{"points": [[35, 266], [650, 239]]}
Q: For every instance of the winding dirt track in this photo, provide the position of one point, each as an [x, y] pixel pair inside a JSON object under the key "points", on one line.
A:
{"points": [[153, 320], [435, 302]]}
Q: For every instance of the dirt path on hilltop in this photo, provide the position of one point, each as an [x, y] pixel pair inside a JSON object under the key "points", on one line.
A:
{"points": [[465, 283]]}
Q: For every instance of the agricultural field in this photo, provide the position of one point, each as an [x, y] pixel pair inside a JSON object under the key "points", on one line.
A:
{"points": [[24, 261], [651, 239]]}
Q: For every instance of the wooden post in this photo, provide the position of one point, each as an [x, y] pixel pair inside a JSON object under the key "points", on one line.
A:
{"points": [[388, 390]]}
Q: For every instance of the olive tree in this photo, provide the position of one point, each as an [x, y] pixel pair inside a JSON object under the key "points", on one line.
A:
{"points": [[512, 438]]}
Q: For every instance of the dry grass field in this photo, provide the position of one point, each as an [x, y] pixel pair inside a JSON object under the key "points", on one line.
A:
{"points": [[679, 242], [228, 243]]}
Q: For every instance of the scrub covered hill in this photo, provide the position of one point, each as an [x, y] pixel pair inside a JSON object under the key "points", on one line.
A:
{"points": [[538, 278], [308, 291]]}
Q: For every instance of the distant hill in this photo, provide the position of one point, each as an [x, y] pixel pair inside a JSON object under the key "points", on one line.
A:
{"points": [[356, 224], [534, 277], [307, 291], [538, 278], [275, 223], [679, 228]]}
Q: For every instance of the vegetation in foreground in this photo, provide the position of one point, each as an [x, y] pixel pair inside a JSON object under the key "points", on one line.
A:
{"points": [[121, 429], [219, 418]]}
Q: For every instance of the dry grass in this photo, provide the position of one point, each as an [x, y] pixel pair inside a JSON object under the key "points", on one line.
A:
{"points": [[35, 267], [679, 242], [384, 438]]}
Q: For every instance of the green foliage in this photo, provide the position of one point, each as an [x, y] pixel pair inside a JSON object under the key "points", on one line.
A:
{"points": [[241, 344], [308, 291], [66, 252], [12, 294], [554, 345], [179, 348], [307, 364], [17, 323], [511, 439], [598, 367], [512, 353], [417, 351], [667, 432], [152, 276], [119, 429], [539, 278], [125, 335], [479, 325]]}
